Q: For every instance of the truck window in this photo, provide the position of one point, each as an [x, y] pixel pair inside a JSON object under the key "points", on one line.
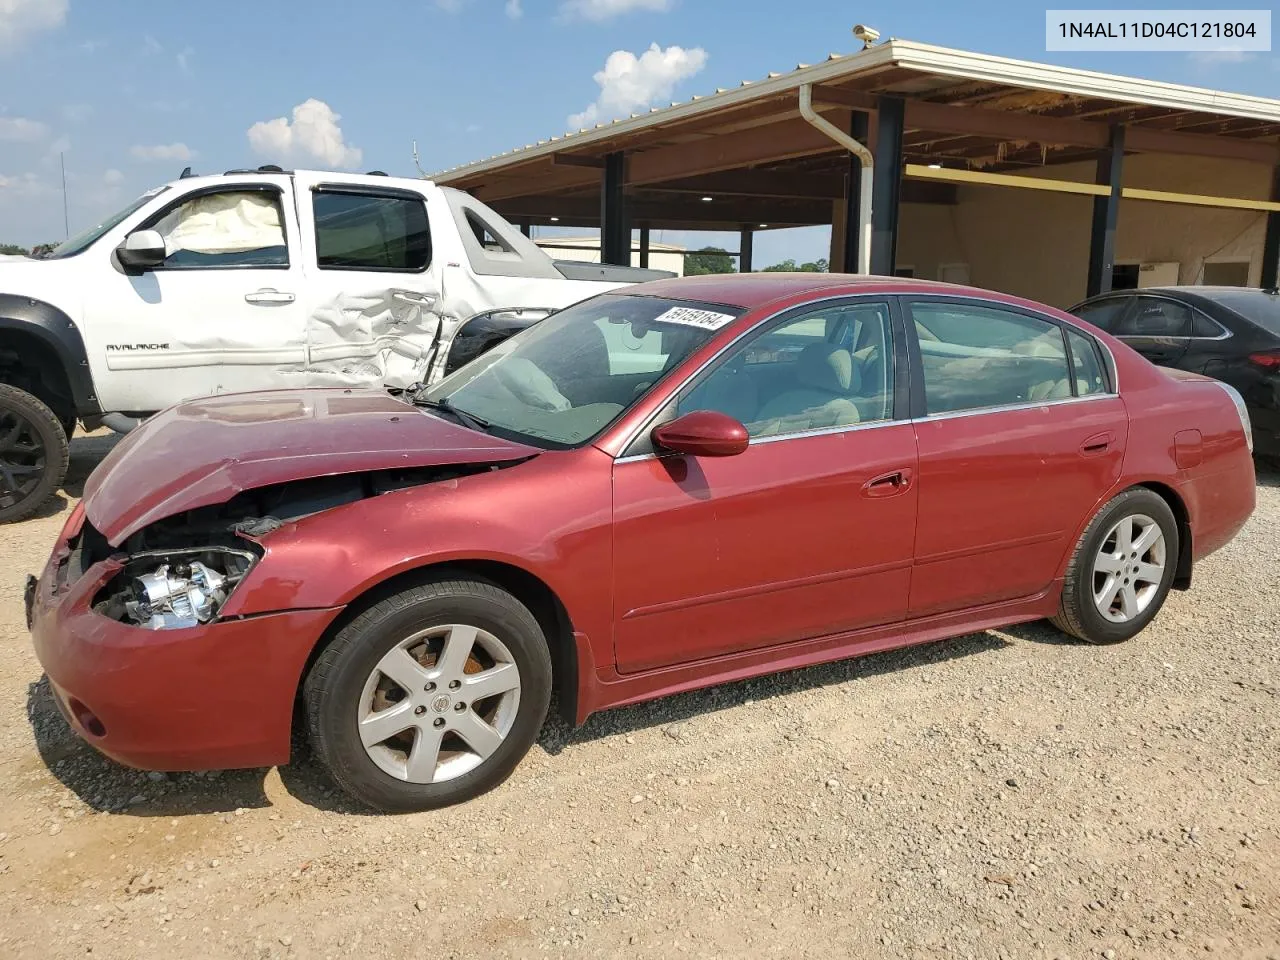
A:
{"points": [[358, 231], [230, 228]]}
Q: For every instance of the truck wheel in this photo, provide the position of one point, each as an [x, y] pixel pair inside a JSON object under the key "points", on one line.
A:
{"points": [[33, 454]]}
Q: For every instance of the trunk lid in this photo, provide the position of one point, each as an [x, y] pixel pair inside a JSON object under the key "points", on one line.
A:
{"points": [[205, 451]]}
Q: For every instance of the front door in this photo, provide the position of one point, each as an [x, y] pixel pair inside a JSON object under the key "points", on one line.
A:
{"points": [[1018, 439], [222, 314], [806, 534], [373, 283]]}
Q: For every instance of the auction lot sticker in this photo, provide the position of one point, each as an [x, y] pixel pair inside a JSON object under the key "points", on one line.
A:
{"points": [[1195, 31], [692, 317]]}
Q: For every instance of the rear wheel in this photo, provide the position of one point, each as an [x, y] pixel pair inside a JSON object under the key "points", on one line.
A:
{"points": [[430, 697], [33, 454], [1121, 570]]}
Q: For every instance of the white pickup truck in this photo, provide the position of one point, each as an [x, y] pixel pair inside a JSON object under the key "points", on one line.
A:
{"points": [[252, 280]]}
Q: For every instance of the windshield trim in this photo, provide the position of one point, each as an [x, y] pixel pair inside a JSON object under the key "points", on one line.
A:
{"points": [[506, 432], [86, 239]]}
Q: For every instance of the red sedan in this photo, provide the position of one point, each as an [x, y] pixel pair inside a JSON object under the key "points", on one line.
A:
{"points": [[692, 482]]}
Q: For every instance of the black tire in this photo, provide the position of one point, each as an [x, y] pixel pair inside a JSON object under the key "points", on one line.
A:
{"points": [[33, 454], [1078, 615], [335, 686]]}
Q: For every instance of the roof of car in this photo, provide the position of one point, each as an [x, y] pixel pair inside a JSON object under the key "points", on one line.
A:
{"points": [[750, 290]]}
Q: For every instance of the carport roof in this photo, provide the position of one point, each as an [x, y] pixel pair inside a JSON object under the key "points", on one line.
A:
{"points": [[936, 76]]}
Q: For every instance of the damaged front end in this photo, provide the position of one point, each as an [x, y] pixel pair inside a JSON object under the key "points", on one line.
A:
{"points": [[179, 572]]}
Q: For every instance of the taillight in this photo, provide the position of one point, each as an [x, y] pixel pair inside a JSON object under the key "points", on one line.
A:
{"points": [[1270, 360]]}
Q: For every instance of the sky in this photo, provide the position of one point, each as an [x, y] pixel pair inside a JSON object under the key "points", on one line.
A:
{"points": [[131, 91]]}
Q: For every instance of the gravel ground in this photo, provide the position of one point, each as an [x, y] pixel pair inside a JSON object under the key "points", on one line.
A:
{"points": [[1002, 795]]}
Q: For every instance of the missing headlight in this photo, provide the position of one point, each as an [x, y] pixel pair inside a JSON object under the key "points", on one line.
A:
{"points": [[169, 590]]}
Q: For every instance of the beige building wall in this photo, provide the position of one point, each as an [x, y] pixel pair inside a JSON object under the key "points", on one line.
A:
{"points": [[1036, 244]]}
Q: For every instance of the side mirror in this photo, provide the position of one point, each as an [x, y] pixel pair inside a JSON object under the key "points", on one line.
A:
{"points": [[141, 250], [703, 433]]}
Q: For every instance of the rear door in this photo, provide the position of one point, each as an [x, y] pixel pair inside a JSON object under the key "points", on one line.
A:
{"points": [[373, 281], [1020, 434]]}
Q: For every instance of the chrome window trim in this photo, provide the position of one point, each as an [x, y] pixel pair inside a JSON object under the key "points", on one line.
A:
{"points": [[1113, 376]]}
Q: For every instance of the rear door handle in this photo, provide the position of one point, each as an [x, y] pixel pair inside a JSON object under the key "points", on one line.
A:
{"points": [[1098, 444], [415, 299], [888, 484], [268, 296]]}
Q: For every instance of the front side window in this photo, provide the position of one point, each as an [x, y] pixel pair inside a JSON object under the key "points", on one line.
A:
{"points": [[1105, 314], [1154, 317], [563, 380], [233, 228], [356, 231], [86, 238], [831, 367], [977, 356]]}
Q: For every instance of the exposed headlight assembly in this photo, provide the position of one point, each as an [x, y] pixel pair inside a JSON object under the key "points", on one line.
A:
{"points": [[173, 589]]}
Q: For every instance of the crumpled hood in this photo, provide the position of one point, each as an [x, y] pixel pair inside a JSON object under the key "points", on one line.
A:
{"points": [[205, 451]]}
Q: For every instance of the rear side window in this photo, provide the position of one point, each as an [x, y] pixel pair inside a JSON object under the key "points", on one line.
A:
{"points": [[977, 356], [356, 231], [1154, 317], [1088, 364], [1105, 314]]}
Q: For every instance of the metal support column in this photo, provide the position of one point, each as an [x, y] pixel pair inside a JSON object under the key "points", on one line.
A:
{"points": [[887, 186], [644, 245], [858, 129], [744, 249], [615, 230], [1106, 212], [526, 226], [1271, 245]]}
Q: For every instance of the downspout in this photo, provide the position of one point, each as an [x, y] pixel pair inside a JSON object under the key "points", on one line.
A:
{"points": [[864, 157]]}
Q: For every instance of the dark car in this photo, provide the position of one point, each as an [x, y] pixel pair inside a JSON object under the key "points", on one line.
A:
{"points": [[1229, 333]]}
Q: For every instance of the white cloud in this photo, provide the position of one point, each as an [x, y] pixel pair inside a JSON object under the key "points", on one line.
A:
{"points": [[77, 112], [514, 10], [629, 83], [112, 178], [21, 185], [1218, 57], [184, 60], [20, 129], [314, 134], [162, 151], [598, 10], [20, 19], [61, 145]]}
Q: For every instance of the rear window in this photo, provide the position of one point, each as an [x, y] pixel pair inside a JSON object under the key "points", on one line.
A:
{"points": [[1256, 305]]}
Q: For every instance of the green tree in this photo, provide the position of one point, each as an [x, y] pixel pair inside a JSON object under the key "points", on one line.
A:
{"points": [[12, 248], [708, 260], [790, 266]]}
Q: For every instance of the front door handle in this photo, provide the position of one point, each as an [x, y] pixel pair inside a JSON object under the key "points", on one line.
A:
{"points": [[268, 296], [888, 484]]}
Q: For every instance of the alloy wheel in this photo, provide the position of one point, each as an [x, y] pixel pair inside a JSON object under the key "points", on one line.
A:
{"points": [[22, 458], [1129, 568], [439, 703]]}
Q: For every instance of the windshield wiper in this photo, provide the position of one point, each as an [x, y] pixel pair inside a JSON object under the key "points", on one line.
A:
{"points": [[466, 419]]}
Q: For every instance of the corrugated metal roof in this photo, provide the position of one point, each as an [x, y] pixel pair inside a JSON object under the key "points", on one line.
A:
{"points": [[959, 65]]}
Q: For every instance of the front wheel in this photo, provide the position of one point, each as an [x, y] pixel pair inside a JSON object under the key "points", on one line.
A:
{"points": [[430, 697], [1121, 570], [33, 454]]}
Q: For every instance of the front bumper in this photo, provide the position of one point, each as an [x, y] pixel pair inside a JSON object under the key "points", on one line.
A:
{"points": [[216, 696]]}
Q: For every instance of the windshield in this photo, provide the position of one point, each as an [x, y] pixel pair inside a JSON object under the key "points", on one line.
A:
{"points": [[563, 380], [82, 241], [1260, 306]]}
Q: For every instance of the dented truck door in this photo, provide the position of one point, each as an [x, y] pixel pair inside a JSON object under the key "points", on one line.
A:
{"points": [[222, 313], [373, 280]]}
